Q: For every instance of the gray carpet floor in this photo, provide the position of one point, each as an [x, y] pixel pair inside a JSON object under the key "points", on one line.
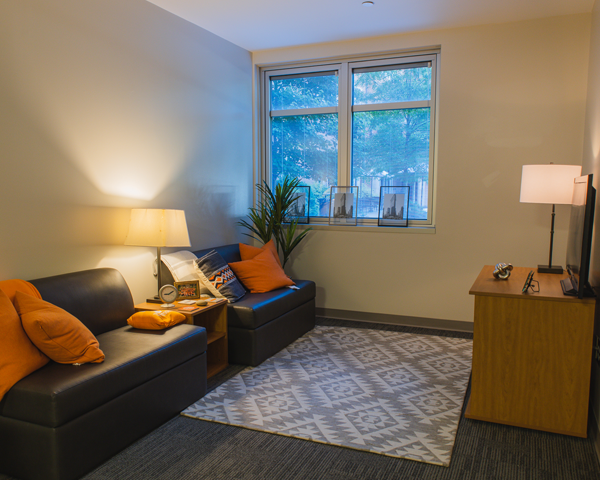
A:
{"points": [[186, 448]]}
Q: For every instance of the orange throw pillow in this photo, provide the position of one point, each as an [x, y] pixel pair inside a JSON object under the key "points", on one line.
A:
{"points": [[18, 356], [248, 252], [155, 319], [261, 274], [10, 287], [56, 332]]}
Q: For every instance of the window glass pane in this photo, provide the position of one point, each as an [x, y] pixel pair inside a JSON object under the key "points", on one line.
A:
{"points": [[306, 147], [304, 92], [391, 147], [393, 85]]}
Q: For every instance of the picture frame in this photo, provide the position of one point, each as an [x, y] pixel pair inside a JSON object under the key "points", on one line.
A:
{"points": [[343, 202], [300, 210], [188, 290], [393, 206]]}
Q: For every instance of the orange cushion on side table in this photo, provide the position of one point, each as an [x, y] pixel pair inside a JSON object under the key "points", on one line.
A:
{"points": [[155, 319], [18, 356], [10, 287], [56, 332], [248, 252], [261, 274]]}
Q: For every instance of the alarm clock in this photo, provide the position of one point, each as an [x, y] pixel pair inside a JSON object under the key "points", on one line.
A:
{"points": [[168, 294]]}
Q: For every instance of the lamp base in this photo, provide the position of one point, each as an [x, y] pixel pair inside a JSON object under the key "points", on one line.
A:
{"points": [[154, 299], [547, 269]]}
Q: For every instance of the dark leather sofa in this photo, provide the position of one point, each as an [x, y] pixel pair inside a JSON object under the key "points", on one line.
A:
{"points": [[261, 324], [64, 420]]}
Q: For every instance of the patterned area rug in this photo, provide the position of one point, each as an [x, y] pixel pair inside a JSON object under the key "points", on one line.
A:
{"points": [[391, 393]]}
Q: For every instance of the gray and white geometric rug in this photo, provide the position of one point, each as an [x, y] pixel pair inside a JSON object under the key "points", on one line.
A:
{"points": [[391, 393]]}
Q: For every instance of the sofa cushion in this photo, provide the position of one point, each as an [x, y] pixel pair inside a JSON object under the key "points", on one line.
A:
{"points": [[257, 309], [262, 273], [56, 394], [56, 332], [18, 356], [214, 272], [248, 252], [11, 287], [156, 319]]}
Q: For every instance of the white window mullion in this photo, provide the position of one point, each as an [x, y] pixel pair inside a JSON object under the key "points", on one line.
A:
{"points": [[303, 111], [432, 140], [265, 149], [370, 107], [344, 120]]}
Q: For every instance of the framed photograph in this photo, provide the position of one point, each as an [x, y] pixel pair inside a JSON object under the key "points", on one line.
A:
{"points": [[299, 210], [393, 206], [188, 290], [342, 205]]}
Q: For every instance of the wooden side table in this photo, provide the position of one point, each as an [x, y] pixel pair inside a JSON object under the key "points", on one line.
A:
{"points": [[532, 354], [213, 317]]}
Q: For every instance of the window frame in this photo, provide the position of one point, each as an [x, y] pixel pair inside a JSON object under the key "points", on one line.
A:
{"points": [[345, 67]]}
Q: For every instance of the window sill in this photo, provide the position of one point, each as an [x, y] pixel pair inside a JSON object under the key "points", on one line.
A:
{"points": [[420, 230]]}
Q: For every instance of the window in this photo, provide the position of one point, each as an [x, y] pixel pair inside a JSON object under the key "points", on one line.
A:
{"points": [[361, 122]]}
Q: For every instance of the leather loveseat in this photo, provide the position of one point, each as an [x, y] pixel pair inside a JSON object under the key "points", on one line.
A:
{"points": [[62, 421], [261, 324]]}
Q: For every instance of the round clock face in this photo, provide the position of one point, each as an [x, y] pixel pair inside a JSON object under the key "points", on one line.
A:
{"points": [[168, 293]]}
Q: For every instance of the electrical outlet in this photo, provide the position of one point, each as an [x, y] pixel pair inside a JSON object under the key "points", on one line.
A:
{"points": [[596, 349]]}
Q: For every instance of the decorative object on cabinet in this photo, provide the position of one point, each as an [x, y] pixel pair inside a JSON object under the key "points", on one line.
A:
{"points": [[502, 271]]}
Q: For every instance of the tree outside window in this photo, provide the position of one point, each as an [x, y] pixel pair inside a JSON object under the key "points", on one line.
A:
{"points": [[371, 130]]}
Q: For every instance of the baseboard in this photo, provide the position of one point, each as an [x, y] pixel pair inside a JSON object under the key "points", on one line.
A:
{"points": [[407, 321]]}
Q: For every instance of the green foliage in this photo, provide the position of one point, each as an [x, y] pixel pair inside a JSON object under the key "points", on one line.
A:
{"points": [[267, 219], [389, 147]]}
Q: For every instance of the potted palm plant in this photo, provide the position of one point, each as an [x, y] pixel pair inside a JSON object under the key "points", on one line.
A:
{"points": [[268, 219]]}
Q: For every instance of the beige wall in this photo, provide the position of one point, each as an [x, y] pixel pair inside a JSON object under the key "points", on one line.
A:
{"points": [[591, 164], [510, 95], [108, 105], [105, 106]]}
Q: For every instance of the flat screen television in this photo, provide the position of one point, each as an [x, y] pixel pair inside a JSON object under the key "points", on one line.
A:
{"points": [[579, 243]]}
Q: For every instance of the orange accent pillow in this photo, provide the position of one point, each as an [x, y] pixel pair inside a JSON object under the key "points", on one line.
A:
{"points": [[248, 252], [18, 356], [10, 287], [261, 274], [155, 319], [56, 332]]}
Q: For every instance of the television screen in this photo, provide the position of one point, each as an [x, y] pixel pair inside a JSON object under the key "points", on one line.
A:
{"points": [[579, 243]]}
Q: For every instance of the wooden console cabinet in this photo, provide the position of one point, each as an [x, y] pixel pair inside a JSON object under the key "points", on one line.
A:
{"points": [[532, 354]]}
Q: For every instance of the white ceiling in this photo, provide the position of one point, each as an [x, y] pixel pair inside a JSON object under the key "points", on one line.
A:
{"points": [[264, 24]]}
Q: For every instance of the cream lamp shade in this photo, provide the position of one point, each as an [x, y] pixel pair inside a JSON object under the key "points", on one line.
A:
{"points": [[157, 228], [549, 184]]}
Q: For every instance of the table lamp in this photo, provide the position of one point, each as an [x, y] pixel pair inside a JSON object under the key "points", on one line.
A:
{"points": [[157, 228], [549, 184]]}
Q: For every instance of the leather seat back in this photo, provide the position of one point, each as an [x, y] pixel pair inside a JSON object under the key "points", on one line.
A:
{"points": [[100, 298]]}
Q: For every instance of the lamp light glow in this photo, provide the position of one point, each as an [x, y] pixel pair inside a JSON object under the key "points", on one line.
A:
{"points": [[157, 228]]}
